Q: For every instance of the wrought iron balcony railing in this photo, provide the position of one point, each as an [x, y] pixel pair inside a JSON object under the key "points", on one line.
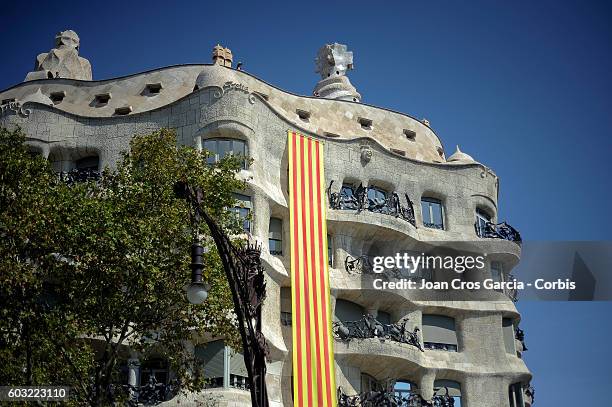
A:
{"points": [[369, 327], [512, 293], [79, 175], [149, 394], [440, 346], [391, 398], [364, 264], [359, 201], [520, 336], [529, 395], [498, 231]]}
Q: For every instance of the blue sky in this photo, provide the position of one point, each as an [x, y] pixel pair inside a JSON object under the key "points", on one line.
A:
{"points": [[524, 87]]}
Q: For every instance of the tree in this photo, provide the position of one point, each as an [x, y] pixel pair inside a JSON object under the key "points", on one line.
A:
{"points": [[91, 270]]}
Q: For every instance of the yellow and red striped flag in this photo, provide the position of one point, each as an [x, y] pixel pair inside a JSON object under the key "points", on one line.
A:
{"points": [[313, 353]]}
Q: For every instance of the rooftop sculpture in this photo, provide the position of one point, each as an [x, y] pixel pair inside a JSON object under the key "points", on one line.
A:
{"points": [[63, 61], [332, 63]]}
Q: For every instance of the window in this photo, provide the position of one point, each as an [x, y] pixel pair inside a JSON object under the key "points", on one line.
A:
{"points": [[285, 306], [275, 237], [509, 337], [331, 135], [102, 99], [220, 147], [497, 273], [123, 110], [410, 134], [347, 191], [57, 97], [285, 318], [433, 215], [348, 198], [516, 395], [330, 251], [88, 163], [348, 311], [303, 115], [376, 197], [222, 366], [212, 357], [441, 387], [366, 124], [369, 383], [383, 317], [482, 219], [153, 88], [243, 211], [439, 333], [155, 370], [403, 389]]}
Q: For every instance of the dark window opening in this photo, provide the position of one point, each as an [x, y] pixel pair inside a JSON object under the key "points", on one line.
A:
{"points": [[123, 110], [88, 163], [57, 97], [366, 124], [303, 115], [153, 88], [102, 98], [410, 134]]}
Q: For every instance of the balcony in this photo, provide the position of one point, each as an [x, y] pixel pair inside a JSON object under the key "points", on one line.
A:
{"points": [[369, 327], [365, 265], [497, 231], [380, 202], [393, 398], [520, 336], [79, 175], [151, 393]]}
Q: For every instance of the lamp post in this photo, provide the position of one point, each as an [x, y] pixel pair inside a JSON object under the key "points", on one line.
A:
{"points": [[244, 273], [197, 292]]}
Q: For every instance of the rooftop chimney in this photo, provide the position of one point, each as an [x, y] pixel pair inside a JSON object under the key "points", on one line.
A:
{"points": [[222, 56], [332, 63]]}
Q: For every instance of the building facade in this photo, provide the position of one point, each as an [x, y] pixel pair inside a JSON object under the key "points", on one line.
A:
{"points": [[391, 188]]}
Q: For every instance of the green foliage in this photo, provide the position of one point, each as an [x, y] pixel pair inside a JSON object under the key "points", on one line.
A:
{"points": [[92, 270]]}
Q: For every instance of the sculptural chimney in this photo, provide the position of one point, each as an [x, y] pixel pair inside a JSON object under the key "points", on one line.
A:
{"points": [[332, 63]]}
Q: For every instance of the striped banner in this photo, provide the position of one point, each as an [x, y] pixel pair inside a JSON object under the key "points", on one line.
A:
{"points": [[313, 353]]}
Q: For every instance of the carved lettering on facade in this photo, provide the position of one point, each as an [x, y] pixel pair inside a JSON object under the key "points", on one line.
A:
{"points": [[14, 106]]}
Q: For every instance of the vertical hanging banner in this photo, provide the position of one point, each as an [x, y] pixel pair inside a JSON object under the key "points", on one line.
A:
{"points": [[313, 354]]}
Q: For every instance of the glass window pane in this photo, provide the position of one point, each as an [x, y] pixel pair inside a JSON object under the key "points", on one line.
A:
{"points": [[437, 214], [224, 148], [330, 252], [347, 191], [276, 247], [275, 230], [496, 271], [211, 145]]}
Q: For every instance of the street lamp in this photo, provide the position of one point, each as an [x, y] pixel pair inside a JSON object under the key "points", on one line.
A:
{"points": [[245, 276], [197, 292]]}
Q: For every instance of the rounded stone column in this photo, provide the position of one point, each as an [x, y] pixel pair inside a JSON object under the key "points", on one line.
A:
{"points": [[133, 376]]}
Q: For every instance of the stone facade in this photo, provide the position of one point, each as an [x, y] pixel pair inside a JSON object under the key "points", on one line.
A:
{"points": [[363, 144]]}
